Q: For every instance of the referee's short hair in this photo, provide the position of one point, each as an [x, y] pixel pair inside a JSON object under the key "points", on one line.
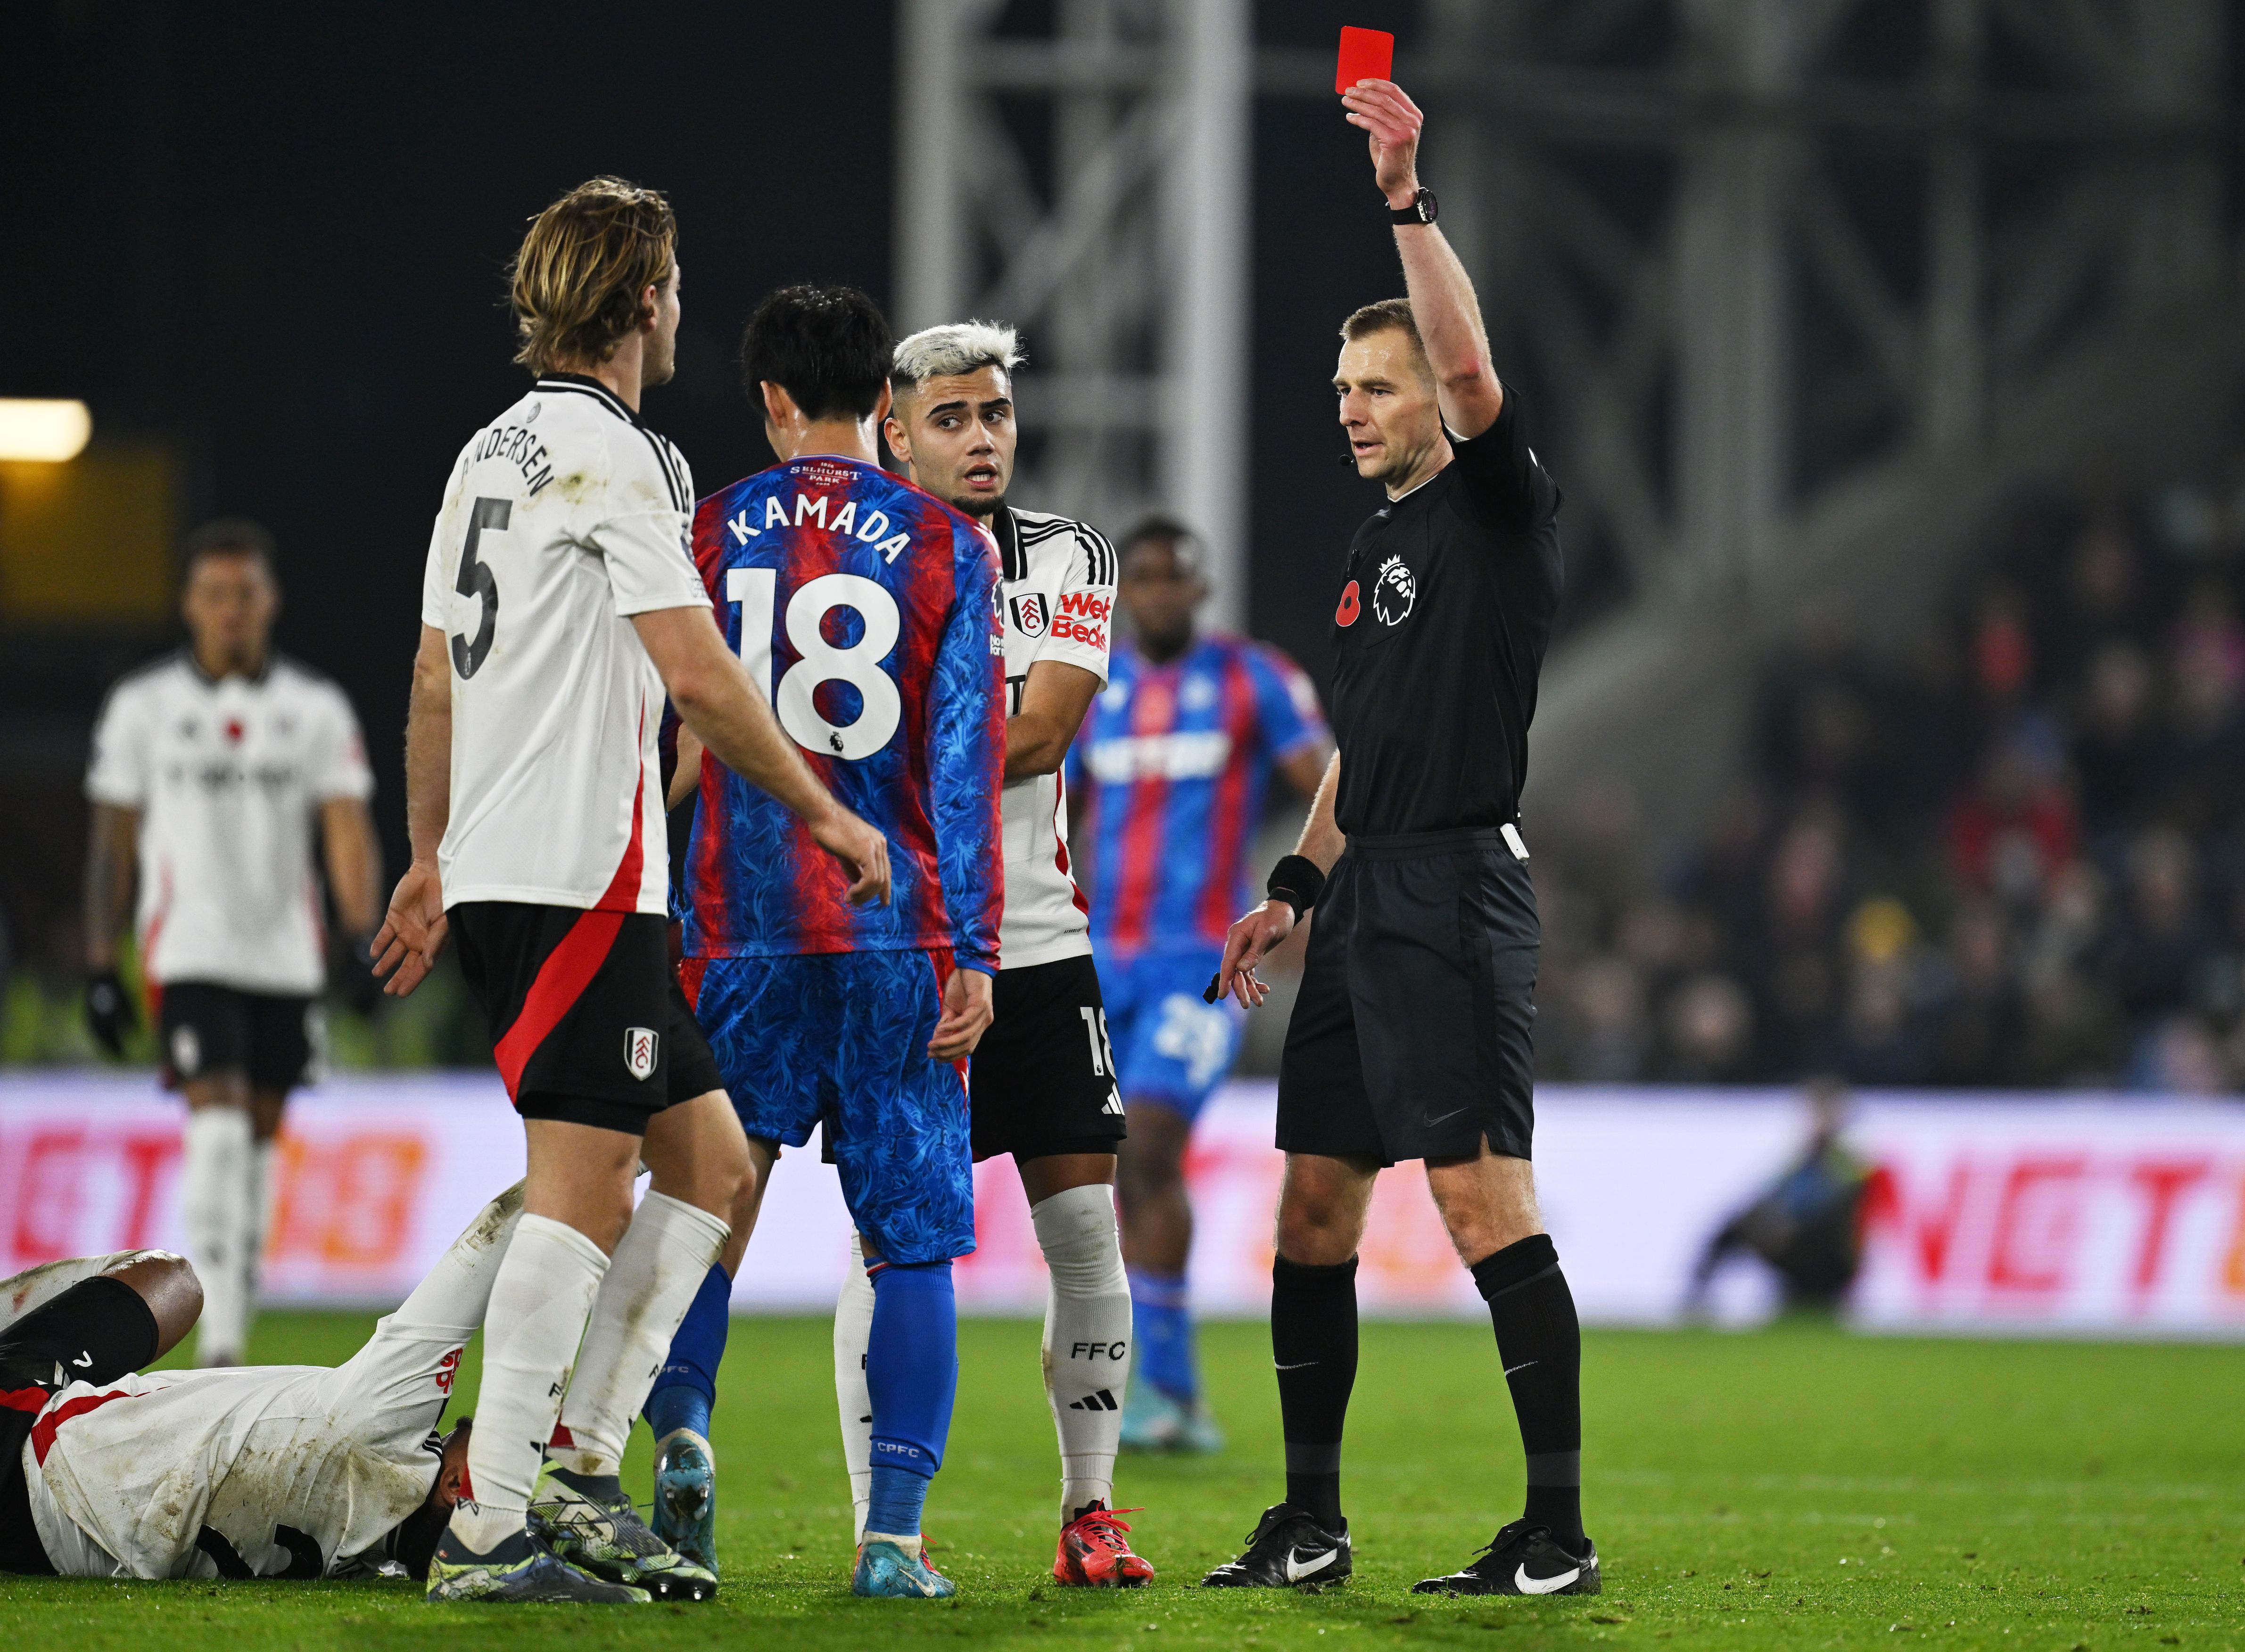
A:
{"points": [[575, 283], [828, 347], [1388, 315], [228, 537], [952, 349]]}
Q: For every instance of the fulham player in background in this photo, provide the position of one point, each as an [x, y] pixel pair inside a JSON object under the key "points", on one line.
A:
{"points": [[1412, 1037], [1044, 1078], [559, 604], [215, 772]]}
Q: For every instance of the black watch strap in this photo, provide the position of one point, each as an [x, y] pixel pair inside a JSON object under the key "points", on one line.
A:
{"points": [[1423, 210]]}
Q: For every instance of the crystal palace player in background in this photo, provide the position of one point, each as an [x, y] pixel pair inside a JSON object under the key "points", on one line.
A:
{"points": [[1412, 1037], [1169, 776], [215, 772], [867, 611], [1043, 1079], [559, 604]]}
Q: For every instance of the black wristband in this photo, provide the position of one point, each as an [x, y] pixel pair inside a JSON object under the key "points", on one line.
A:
{"points": [[1297, 881]]}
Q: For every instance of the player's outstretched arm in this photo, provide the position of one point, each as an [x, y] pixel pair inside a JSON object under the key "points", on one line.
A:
{"points": [[413, 930], [1442, 301], [1258, 934], [717, 700]]}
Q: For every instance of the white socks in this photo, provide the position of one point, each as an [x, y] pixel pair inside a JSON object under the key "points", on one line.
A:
{"points": [[659, 1265], [219, 1203], [35, 1288], [539, 1306], [853, 1334], [456, 1293], [1087, 1348], [1087, 1351]]}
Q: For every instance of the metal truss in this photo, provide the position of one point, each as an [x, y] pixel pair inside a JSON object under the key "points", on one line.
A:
{"points": [[1741, 254], [1043, 181], [1747, 252]]}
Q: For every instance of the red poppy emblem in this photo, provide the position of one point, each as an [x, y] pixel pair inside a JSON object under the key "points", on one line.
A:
{"points": [[234, 729], [1350, 606]]}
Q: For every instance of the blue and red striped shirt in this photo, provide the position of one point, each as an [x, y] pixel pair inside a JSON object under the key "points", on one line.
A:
{"points": [[867, 611], [1172, 763]]}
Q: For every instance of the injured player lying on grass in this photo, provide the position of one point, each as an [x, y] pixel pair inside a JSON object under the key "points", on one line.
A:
{"points": [[271, 1471]]}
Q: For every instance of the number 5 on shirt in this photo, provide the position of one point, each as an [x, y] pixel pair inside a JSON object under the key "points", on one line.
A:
{"points": [[880, 707]]}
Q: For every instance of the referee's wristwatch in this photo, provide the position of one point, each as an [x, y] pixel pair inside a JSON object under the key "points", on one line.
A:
{"points": [[1423, 210]]}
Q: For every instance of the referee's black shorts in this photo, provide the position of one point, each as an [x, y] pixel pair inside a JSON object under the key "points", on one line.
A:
{"points": [[588, 1024], [1414, 1035]]}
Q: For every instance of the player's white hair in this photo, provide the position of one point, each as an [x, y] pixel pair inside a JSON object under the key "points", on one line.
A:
{"points": [[956, 347]]}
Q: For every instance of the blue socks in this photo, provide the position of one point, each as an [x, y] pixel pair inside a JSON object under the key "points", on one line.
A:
{"points": [[1164, 1330], [911, 1373], [685, 1387]]}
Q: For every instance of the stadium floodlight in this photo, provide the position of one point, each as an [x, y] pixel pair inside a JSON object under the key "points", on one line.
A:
{"points": [[50, 430]]}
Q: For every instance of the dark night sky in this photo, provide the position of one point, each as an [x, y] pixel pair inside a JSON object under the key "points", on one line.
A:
{"points": [[276, 235]]}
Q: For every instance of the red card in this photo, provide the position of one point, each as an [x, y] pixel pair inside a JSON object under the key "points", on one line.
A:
{"points": [[1365, 54]]}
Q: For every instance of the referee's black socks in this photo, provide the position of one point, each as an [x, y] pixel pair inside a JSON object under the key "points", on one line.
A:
{"points": [[1540, 1341], [1313, 1345]]}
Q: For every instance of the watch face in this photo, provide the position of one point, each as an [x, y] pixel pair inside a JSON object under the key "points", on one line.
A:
{"points": [[1425, 206]]}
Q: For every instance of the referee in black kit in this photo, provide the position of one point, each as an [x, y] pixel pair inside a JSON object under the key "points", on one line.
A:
{"points": [[1412, 1037]]}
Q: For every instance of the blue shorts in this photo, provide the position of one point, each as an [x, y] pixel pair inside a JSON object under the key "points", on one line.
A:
{"points": [[840, 1040], [1170, 1045]]}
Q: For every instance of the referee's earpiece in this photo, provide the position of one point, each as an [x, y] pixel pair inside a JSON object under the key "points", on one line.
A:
{"points": [[1348, 459]]}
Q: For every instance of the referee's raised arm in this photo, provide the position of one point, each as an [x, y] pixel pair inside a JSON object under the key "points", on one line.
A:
{"points": [[1412, 1035], [1442, 295]]}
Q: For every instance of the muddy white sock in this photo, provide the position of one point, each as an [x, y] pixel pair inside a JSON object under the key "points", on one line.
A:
{"points": [[1087, 1348], [853, 1335], [539, 1306], [215, 1175], [659, 1265]]}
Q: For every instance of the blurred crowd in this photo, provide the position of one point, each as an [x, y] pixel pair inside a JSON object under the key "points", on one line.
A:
{"points": [[2009, 852]]}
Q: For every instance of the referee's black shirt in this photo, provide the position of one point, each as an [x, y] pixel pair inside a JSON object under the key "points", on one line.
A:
{"points": [[1439, 639]]}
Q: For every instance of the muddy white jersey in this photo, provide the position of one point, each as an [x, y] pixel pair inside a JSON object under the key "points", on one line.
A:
{"points": [[264, 1471], [565, 516], [227, 776], [1059, 597]]}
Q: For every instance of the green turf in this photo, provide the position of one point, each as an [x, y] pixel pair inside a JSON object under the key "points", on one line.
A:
{"points": [[1796, 1487]]}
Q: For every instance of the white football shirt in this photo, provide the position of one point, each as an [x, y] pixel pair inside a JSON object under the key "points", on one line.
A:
{"points": [[288, 1467], [1059, 594], [229, 775], [565, 516]]}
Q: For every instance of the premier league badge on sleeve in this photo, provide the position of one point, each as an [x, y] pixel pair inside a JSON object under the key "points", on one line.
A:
{"points": [[639, 1045], [1031, 616]]}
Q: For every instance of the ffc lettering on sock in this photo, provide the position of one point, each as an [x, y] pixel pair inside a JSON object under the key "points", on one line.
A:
{"points": [[1087, 1340]]}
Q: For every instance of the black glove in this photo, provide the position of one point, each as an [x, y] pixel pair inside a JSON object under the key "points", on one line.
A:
{"points": [[109, 1012], [355, 983]]}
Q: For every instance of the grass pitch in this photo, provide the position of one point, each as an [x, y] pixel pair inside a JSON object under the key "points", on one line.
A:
{"points": [[1796, 1487]]}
